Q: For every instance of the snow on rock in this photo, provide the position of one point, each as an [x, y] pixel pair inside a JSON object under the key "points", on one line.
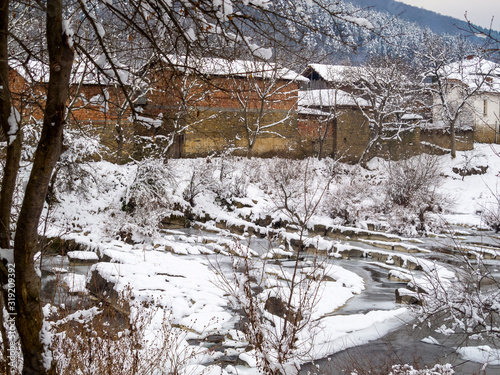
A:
{"points": [[481, 354], [175, 283], [82, 256], [430, 340], [58, 270], [75, 283]]}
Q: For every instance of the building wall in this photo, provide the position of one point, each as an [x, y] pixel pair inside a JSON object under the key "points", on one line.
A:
{"points": [[215, 123], [308, 136], [347, 139], [455, 96], [213, 118], [487, 118], [103, 112], [353, 136]]}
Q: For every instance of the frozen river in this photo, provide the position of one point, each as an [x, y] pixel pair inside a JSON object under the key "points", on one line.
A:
{"points": [[402, 345]]}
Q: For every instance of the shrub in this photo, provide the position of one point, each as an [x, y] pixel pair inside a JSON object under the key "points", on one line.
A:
{"points": [[411, 191], [147, 200], [413, 180], [491, 210], [352, 198], [72, 172], [202, 179], [103, 340]]}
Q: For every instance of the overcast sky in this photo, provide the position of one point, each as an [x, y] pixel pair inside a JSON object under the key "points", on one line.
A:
{"points": [[478, 11]]}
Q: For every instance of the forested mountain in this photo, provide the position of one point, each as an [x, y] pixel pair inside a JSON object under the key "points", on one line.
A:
{"points": [[436, 22], [400, 31]]}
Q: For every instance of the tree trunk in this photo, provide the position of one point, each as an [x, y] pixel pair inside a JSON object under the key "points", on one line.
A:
{"points": [[14, 141], [12, 136], [453, 142], [29, 312]]}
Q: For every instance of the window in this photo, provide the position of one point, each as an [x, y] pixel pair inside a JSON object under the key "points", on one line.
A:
{"points": [[485, 107]]}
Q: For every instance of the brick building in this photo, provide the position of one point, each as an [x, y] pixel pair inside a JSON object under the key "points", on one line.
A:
{"points": [[332, 117], [96, 105], [206, 105]]}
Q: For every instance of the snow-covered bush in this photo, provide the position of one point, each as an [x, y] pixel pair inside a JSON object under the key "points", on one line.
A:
{"points": [[277, 308], [230, 179], [147, 200], [72, 172], [491, 210], [413, 179], [411, 189], [102, 340], [201, 179], [150, 188], [353, 197], [491, 216], [295, 188], [468, 305], [410, 370], [222, 176], [31, 135], [413, 220]]}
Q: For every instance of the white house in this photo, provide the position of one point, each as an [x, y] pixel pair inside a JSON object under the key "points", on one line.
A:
{"points": [[469, 90]]}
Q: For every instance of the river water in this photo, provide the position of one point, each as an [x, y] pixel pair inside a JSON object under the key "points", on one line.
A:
{"points": [[404, 345]]}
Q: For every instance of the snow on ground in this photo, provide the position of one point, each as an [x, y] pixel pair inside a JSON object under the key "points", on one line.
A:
{"points": [[172, 267], [472, 194]]}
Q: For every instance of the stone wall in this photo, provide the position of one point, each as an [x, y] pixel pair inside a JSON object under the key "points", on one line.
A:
{"points": [[353, 136], [216, 130], [396, 145], [347, 137], [486, 134], [438, 141]]}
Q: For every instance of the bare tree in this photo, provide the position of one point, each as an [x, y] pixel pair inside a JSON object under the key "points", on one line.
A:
{"points": [[267, 96], [182, 87], [466, 305], [456, 80], [279, 320], [390, 89]]}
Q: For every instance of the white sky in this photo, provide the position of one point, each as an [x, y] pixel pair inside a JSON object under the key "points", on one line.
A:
{"points": [[478, 11]]}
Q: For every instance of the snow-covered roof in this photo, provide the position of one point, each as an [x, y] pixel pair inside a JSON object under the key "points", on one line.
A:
{"points": [[85, 71], [474, 72], [411, 117], [212, 66], [329, 98], [31, 71], [311, 111], [335, 73]]}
